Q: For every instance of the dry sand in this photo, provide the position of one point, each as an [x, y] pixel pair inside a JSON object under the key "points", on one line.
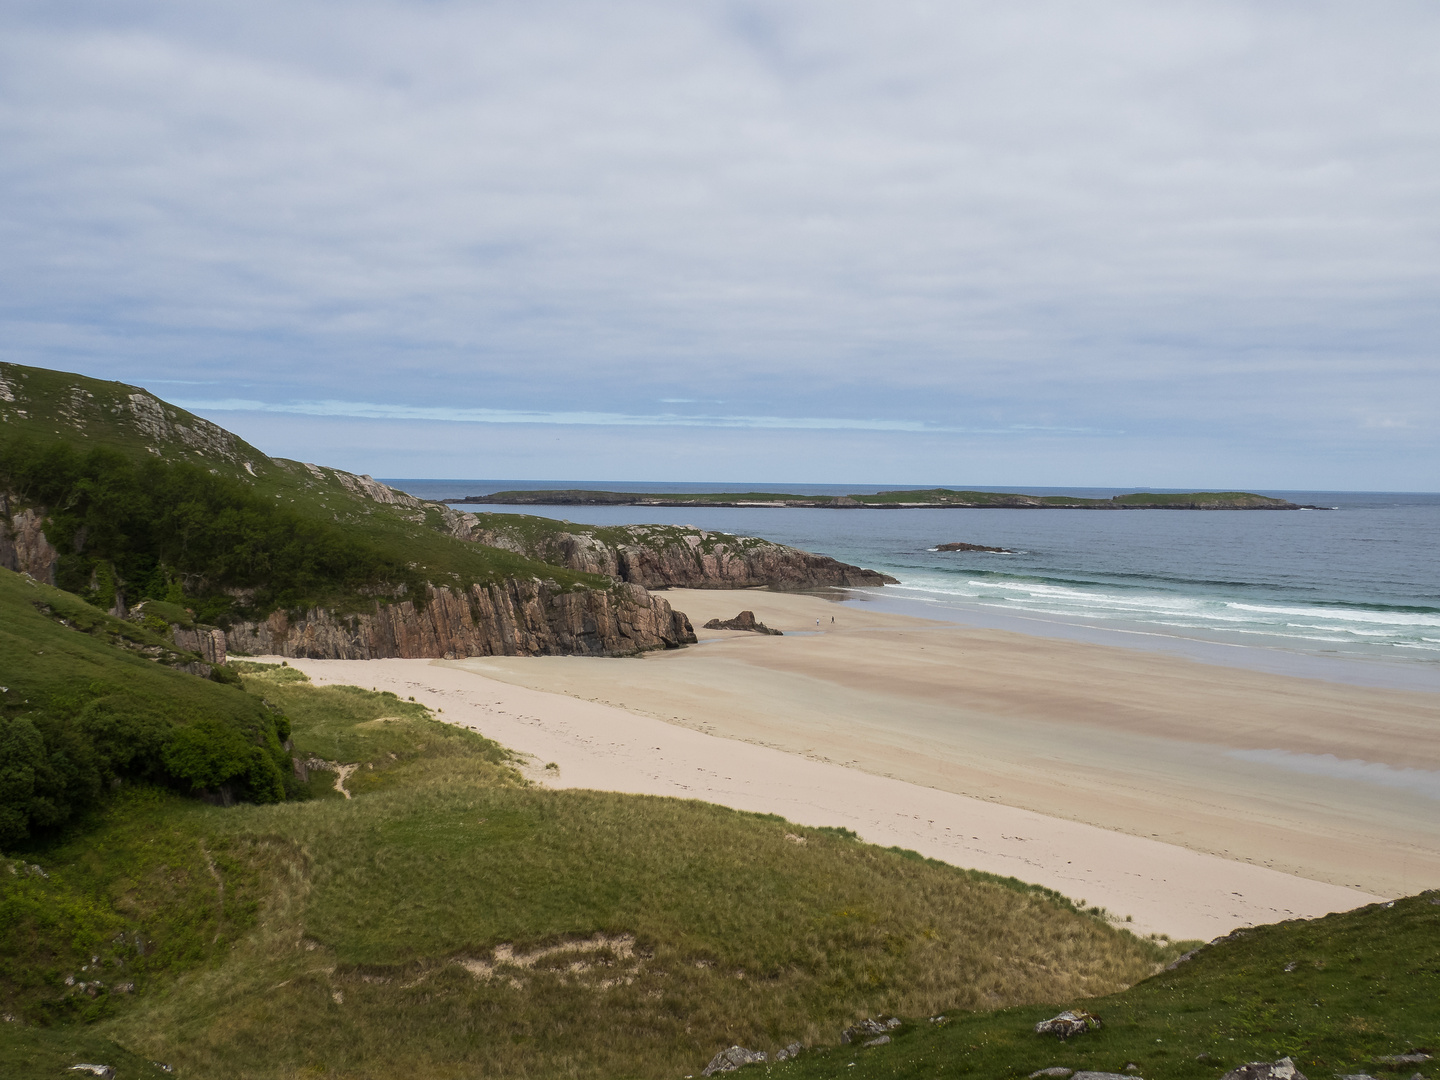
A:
{"points": [[1104, 773]]}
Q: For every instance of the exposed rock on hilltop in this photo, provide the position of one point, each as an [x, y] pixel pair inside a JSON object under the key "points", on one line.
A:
{"points": [[516, 618], [659, 556]]}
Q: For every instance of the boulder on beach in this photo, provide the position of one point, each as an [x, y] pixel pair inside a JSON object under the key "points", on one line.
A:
{"points": [[744, 621]]}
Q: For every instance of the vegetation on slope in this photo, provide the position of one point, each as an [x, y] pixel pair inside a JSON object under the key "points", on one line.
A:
{"points": [[1339, 995], [238, 531], [450, 917], [85, 705]]}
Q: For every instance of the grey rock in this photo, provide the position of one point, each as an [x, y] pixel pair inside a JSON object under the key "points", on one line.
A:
{"points": [[1086, 1075], [105, 1071], [1415, 1057], [1182, 959], [732, 1058], [1068, 1023], [744, 621], [1355, 1076], [509, 618], [788, 1052], [879, 1041], [1059, 1072], [1284, 1069], [868, 1027]]}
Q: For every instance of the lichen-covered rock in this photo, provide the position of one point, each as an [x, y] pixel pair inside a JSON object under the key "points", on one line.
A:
{"points": [[788, 1052], [732, 1058], [867, 1028], [1284, 1069], [662, 556], [744, 621], [510, 618], [1068, 1023], [23, 547]]}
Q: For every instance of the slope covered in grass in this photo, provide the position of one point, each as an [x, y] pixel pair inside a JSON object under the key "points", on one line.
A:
{"points": [[142, 490], [1338, 995], [89, 701], [450, 917]]}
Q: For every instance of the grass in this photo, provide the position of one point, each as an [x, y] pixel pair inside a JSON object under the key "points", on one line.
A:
{"points": [[59, 407], [366, 937], [1335, 994]]}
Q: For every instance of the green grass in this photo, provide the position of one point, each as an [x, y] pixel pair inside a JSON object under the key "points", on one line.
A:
{"points": [[90, 700], [53, 407], [1360, 985], [347, 925]]}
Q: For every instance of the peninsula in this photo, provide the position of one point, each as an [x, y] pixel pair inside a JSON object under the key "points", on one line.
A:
{"points": [[921, 499]]}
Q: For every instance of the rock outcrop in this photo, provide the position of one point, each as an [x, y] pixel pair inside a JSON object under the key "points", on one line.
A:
{"points": [[663, 556], [23, 547], [744, 621], [1068, 1023], [732, 1058], [512, 618], [1284, 1069], [961, 546]]}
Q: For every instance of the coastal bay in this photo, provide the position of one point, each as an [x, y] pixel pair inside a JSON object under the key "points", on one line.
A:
{"points": [[1328, 782]]}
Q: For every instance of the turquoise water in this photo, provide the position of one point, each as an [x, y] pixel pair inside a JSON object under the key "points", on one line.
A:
{"points": [[1353, 590]]}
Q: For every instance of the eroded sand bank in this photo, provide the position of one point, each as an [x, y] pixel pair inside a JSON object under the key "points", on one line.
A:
{"points": [[1103, 776]]}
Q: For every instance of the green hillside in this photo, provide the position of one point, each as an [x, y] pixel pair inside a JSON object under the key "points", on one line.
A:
{"points": [[90, 702], [149, 493], [451, 918]]}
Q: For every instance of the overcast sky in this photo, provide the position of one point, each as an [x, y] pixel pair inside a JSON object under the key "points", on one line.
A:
{"points": [[1154, 244]]}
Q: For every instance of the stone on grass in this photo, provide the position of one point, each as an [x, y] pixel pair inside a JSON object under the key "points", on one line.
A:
{"points": [[868, 1027], [106, 1072], [788, 1052], [1284, 1069], [1058, 1072], [1085, 1075], [878, 1041], [1068, 1023], [733, 1058]]}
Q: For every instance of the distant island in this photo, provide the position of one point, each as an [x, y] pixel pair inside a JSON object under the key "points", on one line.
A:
{"points": [[926, 499]]}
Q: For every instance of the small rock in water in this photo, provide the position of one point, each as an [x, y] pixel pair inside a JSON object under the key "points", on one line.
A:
{"points": [[1068, 1023], [733, 1058], [1284, 1069]]}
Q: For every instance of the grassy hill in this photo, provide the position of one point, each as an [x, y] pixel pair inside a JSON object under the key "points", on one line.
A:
{"points": [[451, 917], [90, 701], [106, 453]]}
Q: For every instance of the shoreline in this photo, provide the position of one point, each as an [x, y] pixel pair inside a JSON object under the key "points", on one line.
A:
{"points": [[1165, 889], [1377, 672], [1322, 780]]}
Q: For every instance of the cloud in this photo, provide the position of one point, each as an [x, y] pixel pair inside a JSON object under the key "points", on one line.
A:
{"points": [[367, 410], [1208, 220]]}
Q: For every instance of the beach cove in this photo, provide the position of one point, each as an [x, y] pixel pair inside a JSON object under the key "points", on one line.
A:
{"points": [[1191, 798]]}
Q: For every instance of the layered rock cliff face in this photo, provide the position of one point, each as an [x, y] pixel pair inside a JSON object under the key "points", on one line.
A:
{"points": [[23, 547], [660, 556], [515, 618]]}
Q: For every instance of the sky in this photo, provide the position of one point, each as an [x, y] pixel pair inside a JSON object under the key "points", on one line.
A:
{"points": [[1062, 243]]}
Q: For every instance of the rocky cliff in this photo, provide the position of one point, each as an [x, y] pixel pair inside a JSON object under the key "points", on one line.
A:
{"points": [[23, 547], [660, 556], [514, 618]]}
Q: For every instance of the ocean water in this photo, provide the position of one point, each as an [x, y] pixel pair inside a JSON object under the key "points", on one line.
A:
{"points": [[1351, 593]]}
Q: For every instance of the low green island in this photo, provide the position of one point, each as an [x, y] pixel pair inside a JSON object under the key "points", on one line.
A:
{"points": [[918, 499]]}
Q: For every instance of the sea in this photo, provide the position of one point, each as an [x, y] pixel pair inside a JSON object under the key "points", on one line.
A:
{"points": [[1349, 592]]}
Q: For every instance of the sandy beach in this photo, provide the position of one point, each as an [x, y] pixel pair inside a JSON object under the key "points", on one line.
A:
{"points": [[1165, 790]]}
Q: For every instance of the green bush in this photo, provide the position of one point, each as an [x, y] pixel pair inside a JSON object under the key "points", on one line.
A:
{"points": [[177, 533]]}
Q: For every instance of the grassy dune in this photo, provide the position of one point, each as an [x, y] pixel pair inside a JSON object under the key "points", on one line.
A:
{"points": [[451, 918]]}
